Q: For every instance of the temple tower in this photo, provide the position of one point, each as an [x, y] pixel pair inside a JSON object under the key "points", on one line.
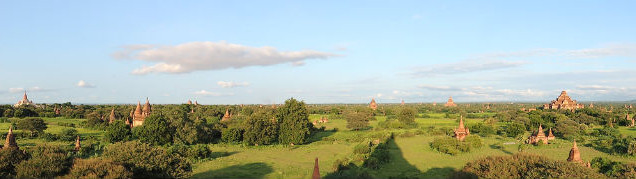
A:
{"points": [[373, 105], [112, 118], [461, 131], [10, 142], [450, 102], [227, 115], [316, 174], [550, 135], [77, 144], [575, 155]]}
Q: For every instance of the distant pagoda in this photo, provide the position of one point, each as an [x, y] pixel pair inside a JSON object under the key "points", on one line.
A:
{"points": [[24, 102], [227, 115], [450, 102], [563, 102], [112, 117], [78, 145], [461, 131], [373, 105], [575, 156]]}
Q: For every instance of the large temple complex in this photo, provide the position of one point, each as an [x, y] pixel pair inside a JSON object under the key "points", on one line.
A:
{"points": [[139, 114], [563, 102], [24, 102], [450, 102]]}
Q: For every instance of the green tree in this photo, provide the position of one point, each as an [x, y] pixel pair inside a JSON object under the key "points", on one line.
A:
{"points": [[68, 134], [232, 135], [34, 125], [9, 159], [24, 112], [407, 115], [155, 131], [97, 168], [146, 161], [117, 131], [514, 129], [294, 122], [357, 120], [261, 128], [523, 165], [46, 162]]}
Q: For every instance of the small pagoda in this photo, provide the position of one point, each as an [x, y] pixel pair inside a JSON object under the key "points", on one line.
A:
{"points": [[78, 145], [373, 105], [10, 141], [461, 131], [139, 114], [540, 136], [316, 174], [227, 115], [575, 156], [450, 102]]}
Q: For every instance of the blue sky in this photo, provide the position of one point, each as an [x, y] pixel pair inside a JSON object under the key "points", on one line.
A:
{"points": [[263, 52]]}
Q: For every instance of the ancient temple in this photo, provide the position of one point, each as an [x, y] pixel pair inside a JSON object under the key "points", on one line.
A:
{"points": [[402, 103], [373, 105], [189, 102], [196, 103], [450, 102], [112, 118], [316, 174], [539, 136], [77, 144], [139, 115], [227, 115], [591, 105], [550, 135], [563, 102], [24, 102], [10, 142], [575, 156], [461, 131]]}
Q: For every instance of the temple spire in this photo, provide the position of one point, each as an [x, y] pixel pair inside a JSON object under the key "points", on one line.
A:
{"points": [[316, 174], [77, 144], [575, 155], [10, 141], [138, 109], [461, 121], [25, 96]]}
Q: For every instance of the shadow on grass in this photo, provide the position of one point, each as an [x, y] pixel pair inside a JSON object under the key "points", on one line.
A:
{"points": [[493, 146], [251, 170], [216, 155], [318, 136]]}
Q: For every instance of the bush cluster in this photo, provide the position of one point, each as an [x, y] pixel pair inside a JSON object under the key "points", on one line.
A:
{"points": [[453, 146]]}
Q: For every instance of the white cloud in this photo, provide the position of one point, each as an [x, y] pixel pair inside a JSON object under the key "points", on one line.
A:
{"points": [[84, 84], [229, 84], [438, 88], [622, 50], [466, 66], [210, 93], [201, 56], [32, 89]]}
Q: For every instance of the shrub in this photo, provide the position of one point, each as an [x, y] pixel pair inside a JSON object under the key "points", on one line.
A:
{"points": [[514, 129], [294, 122], [66, 124], [117, 132], [34, 125], [522, 165], [68, 134], [362, 149], [146, 161], [407, 115], [260, 129], [614, 169], [192, 152], [155, 131], [49, 137], [98, 168], [46, 162], [453, 146], [232, 135], [9, 159], [483, 129]]}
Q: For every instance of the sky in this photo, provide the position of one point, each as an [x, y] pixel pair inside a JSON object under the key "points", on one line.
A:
{"points": [[263, 52]]}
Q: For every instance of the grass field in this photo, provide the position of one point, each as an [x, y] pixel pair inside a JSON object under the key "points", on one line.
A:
{"points": [[410, 156]]}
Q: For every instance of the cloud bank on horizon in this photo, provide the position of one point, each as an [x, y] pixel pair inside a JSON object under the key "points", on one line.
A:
{"points": [[202, 56]]}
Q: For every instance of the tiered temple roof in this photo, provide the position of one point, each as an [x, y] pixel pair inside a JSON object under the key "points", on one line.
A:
{"points": [[373, 105], [24, 102], [563, 102], [139, 115], [540, 136], [461, 131], [10, 141], [450, 102]]}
